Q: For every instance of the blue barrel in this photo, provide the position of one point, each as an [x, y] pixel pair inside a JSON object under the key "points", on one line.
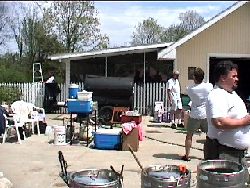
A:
{"points": [[73, 89]]}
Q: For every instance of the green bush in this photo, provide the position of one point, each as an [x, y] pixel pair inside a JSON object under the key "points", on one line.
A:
{"points": [[9, 94]]}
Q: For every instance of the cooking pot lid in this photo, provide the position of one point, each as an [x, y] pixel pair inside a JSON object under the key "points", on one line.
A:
{"points": [[87, 180], [94, 177], [165, 174]]}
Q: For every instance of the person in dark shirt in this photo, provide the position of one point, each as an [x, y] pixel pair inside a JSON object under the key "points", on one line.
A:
{"points": [[148, 77], [137, 78], [157, 77], [2, 119]]}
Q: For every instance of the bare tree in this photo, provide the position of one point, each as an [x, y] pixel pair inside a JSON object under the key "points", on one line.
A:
{"points": [[16, 25], [191, 20], [147, 32], [4, 17], [75, 23]]}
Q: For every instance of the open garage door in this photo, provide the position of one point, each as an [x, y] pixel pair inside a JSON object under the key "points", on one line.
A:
{"points": [[243, 89]]}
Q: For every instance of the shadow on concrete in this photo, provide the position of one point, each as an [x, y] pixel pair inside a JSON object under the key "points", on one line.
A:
{"points": [[153, 132], [181, 130], [201, 141], [184, 131], [166, 156], [158, 125], [10, 139], [173, 156]]}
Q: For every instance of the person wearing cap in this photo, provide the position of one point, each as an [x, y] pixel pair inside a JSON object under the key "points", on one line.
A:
{"points": [[174, 99]]}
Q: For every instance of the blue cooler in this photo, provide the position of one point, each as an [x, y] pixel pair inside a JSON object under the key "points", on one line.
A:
{"points": [[73, 89], [108, 139], [76, 106]]}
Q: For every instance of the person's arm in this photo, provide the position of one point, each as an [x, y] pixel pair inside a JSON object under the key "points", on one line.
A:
{"points": [[230, 123], [217, 108], [169, 85], [168, 93]]}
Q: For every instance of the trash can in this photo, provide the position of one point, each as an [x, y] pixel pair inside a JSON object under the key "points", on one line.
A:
{"points": [[185, 101]]}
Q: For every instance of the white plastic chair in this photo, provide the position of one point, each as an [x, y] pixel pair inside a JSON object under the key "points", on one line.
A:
{"points": [[41, 113], [33, 118], [17, 123], [28, 113]]}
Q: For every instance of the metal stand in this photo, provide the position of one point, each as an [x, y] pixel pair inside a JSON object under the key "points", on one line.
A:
{"points": [[87, 124]]}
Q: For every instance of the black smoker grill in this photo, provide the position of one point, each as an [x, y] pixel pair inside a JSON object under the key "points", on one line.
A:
{"points": [[110, 92]]}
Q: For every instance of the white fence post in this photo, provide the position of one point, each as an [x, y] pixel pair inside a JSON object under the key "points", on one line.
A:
{"points": [[153, 92]]}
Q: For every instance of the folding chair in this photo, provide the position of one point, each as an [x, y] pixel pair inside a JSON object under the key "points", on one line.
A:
{"points": [[16, 124]]}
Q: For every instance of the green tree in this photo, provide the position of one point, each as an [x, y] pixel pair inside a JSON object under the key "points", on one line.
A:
{"points": [[10, 71], [76, 25], [173, 33], [147, 32]]}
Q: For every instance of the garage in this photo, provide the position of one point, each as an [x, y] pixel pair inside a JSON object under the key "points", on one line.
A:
{"points": [[225, 36]]}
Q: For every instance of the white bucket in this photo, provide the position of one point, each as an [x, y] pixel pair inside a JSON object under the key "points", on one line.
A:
{"points": [[59, 135]]}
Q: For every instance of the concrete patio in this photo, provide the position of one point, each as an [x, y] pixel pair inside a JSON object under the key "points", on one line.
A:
{"points": [[35, 164]]}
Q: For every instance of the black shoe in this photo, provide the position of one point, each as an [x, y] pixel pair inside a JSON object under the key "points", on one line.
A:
{"points": [[180, 125], [173, 126], [185, 158]]}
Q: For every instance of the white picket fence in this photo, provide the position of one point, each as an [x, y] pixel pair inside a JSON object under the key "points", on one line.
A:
{"points": [[146, 96], [143, 100]]}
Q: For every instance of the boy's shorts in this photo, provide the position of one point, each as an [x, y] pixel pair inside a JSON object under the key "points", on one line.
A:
{"points": [[195, 124]]}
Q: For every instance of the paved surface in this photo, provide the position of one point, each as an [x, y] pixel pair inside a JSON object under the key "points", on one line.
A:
{"points": [[34, 163]]}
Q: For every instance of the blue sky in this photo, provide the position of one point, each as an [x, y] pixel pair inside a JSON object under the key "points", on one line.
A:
{"points": [[119, 18]]}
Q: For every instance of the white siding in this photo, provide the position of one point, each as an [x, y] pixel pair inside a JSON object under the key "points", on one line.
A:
{"points": [[231, 35]]}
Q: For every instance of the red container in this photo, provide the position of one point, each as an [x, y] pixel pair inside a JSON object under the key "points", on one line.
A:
{"points": [[136, 119]]}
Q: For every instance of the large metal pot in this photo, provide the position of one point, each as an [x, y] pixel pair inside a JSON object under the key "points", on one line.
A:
{"points": [[92, 178], [219, 174], [168, 176]]}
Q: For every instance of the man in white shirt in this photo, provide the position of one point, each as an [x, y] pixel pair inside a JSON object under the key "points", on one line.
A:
{"points": [[174, 99], [228, 121], [198, 93]]}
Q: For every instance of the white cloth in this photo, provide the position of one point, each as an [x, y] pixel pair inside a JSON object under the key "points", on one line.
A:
{"points": [[198, 95], [50, 80], [221, 103]]}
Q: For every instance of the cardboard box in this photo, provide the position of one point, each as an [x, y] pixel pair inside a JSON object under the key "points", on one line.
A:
{"points": [[131, 139]]}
